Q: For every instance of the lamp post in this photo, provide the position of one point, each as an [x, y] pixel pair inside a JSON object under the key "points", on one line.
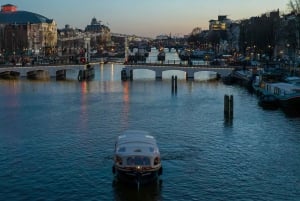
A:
{"points": [[270, 51], [13, 42], [289, 57]]}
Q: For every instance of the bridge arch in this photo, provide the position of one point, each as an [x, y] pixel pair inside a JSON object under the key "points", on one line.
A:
{"points": [[189, 70], [146, 73], [159, 73]]}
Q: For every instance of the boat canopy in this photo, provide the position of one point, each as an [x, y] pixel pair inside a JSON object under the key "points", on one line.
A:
{"points": [[136, 143], [282, 88]]}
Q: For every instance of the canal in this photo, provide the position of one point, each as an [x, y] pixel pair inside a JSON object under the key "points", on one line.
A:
{"points": [[57, 139]]}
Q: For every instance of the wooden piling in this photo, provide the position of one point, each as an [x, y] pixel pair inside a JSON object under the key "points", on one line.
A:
{"points": [[228, 107], [231, 107], [123, 75], [172, 85], [175, 84], [131, 75]]}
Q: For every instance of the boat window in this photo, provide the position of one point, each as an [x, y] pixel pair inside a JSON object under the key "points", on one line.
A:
{"points": [[122, 149], [156, 161], [138, 160]]}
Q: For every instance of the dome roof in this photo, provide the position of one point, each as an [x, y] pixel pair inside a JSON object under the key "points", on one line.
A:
{"points": [[22, 17]]}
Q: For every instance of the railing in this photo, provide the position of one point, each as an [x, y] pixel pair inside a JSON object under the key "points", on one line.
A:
{"points": [[170, 62], [178, 63]]}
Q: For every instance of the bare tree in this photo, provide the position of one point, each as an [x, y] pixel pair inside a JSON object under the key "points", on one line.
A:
{"points": [[196, 31], [294, 6]]}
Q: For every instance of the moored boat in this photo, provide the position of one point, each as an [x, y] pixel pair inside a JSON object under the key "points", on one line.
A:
{"points": [[288, 94], [228, 79], [136, 158], [244, 77]]}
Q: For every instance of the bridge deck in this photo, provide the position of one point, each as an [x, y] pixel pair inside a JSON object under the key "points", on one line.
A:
{"points": [[190, 70], [51, 69]]}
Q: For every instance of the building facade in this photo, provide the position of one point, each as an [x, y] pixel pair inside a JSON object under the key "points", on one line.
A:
{"points": [[26, 33], [72, 42], [221, 24]]}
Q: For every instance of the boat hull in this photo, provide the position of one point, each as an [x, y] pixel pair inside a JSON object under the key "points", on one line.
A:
{"points": [[137, 158], [268, 102], [136, 177], [291, 103]]}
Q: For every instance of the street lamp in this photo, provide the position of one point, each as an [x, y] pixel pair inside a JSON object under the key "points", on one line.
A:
{"points": [[270, 51]]}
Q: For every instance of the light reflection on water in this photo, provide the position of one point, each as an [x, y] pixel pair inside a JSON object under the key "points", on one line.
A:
{"points": [[57, 139]]}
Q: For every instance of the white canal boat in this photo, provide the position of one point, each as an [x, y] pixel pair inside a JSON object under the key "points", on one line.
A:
{"points": [[137, 158]]}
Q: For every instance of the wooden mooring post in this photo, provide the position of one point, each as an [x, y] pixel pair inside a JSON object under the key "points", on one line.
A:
{"points": [[228, 107], [174, 84]]}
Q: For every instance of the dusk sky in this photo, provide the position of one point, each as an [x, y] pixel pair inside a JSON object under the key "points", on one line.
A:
{"points": [[147, 17]]}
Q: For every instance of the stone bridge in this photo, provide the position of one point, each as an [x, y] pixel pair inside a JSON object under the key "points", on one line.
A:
{"points": [[51, 70], [189, 70]]}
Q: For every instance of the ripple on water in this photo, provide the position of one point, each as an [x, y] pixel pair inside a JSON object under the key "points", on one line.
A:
{"points": [[57, 140]]}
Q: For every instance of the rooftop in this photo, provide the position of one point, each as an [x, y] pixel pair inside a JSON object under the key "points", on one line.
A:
{"points": [[10, 15]]}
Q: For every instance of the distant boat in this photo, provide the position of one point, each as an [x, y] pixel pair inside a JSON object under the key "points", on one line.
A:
{"points": [[243, 77], [228, 79], [136, 158]]}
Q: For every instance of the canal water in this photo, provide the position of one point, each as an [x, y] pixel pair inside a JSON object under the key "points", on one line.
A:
{"points": [[57, 139]]}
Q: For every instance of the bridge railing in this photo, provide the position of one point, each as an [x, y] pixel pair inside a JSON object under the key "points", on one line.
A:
{"points": [[177, 63], [155, 62]]}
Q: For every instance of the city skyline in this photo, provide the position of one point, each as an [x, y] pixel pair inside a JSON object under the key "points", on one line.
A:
{"points": [[147, 18]]}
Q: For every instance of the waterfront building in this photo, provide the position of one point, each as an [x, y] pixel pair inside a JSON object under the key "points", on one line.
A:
{"points": [[289, 43], [72, 42], [162, 37], [221, 24], [259, 35], [26, 33], [101, 36]]}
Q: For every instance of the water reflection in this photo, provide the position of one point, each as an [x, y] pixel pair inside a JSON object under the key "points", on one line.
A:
{"points": [[126, 104], [84, 104], [76, 122], [291, 113], [12, 92], [151, 192], [112, 72], [101, 71]]}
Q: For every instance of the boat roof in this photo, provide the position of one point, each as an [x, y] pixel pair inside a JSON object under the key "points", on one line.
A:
{"points": [[136, 142], [293, 80], [287, 87]]}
